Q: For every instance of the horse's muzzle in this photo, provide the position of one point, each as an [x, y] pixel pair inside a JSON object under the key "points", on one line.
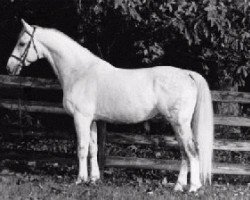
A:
{"points": [[14, 71]]}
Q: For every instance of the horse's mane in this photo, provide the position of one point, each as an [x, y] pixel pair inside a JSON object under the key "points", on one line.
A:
{"points": [[64, 41], [62, 38], [59, 34]]}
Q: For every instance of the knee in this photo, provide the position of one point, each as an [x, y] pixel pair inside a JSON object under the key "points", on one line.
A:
{"points": [[82, 151], [192, 148], [93, 151]]}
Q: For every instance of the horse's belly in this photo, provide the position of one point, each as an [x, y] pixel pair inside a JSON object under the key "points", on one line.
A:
{"points": [[127, 108], [125, 116]]}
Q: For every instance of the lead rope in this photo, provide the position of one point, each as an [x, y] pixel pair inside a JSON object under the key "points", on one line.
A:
{"points": [[20, 95]]}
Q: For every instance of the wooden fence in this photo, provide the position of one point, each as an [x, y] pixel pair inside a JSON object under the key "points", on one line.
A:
{"points": [[128, 138]]}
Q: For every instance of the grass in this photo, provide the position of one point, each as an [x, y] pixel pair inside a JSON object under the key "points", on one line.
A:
{"points": [[34, 187]]}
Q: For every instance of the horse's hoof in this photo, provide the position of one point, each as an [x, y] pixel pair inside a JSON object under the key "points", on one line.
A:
{"points": [[94, 179], [178, 187], [95, 182], [80, 181], [194, 188]]}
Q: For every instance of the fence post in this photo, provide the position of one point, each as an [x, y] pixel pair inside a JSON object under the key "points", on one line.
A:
{"points": [[101, 140]]}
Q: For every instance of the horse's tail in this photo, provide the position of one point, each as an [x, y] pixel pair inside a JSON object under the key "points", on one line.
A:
{"points": [[203, 127]]}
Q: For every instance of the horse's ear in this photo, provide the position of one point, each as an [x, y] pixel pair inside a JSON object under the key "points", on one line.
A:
{"points": [[26, 26]]}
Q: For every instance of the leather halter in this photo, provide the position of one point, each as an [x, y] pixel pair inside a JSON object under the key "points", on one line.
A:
{"points": [[26, 51]]}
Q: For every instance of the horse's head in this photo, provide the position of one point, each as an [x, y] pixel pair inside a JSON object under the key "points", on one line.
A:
{"points": [[26, 50]]}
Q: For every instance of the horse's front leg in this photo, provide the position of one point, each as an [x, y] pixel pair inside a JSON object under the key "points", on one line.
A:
{"points": [[82, 124], [93, 148]]}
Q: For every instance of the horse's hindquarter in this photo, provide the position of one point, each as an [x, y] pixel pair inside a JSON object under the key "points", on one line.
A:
{"points": [[176, 92]]}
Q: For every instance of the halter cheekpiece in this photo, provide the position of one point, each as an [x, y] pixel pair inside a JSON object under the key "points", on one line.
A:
{"points": [[26, 51]]}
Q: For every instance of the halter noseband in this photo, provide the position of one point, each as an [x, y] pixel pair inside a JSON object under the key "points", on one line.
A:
{"points": [[26, 51]]}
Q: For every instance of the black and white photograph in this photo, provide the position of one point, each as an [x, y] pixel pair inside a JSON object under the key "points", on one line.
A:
{"points": [[124, 99]]}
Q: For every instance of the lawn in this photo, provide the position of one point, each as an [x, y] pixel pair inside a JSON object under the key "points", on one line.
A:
{"points": [[33, 187]]}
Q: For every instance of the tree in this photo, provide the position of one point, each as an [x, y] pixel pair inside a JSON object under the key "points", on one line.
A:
{"points": [[211, 36]]}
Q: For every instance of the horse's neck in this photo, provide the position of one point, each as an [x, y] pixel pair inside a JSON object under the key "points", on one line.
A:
{"points": [[67, 58]]}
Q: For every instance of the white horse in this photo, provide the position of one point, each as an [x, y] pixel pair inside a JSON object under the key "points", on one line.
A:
{"points": [[94, 90]]}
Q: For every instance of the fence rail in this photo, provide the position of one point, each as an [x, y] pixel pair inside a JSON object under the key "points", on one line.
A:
{"points": [[48, 107], [128, 138]]}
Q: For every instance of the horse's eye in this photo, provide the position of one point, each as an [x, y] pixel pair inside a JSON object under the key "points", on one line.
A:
{"points": [[21, 44]]}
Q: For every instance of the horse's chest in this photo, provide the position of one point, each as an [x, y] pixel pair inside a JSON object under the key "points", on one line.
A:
{"points": [[79, 98], [68, 105]]}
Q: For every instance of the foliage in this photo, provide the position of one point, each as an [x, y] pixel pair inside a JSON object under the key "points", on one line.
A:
{"points": [[210, 36]]}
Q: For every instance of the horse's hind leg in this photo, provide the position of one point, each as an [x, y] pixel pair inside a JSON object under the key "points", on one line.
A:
{"points": [[82, 125], [182, 178], [184, 132], [93, 148]]}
